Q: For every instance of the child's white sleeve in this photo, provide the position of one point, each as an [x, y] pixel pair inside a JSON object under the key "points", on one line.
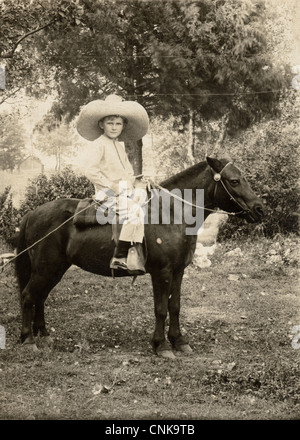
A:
{"points": [[129, 170], [92, 168]]}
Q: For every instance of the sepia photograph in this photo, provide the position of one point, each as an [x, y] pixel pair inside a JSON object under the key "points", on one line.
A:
{"points": [[149, 213]]}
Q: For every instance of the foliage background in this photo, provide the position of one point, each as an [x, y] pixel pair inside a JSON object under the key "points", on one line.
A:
{"points": [[170, 56]]}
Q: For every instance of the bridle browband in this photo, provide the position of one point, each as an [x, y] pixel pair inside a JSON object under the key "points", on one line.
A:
{"points": [[218, 178]]}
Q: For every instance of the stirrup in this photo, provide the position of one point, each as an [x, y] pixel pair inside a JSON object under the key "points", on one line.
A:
{"points": [[118, 263], [136, 261], [136, 272]]}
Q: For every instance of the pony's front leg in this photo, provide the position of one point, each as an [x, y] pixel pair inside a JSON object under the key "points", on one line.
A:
{"points": [[178, 341], [161, 281]]}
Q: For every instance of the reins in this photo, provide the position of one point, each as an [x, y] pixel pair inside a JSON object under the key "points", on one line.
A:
{"points": [[192, 204]]}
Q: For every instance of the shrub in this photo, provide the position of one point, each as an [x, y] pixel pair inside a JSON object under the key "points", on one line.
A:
{"points": [[268, 153], [58, 186], [170, 148], [9, 216]]}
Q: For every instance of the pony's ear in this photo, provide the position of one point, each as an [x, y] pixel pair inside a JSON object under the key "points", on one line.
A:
{"points": [[215, 164]]}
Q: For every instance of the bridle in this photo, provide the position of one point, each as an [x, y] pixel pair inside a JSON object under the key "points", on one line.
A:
{"points": [[218, 178]]}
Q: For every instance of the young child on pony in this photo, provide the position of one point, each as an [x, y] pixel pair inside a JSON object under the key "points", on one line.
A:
{"points": [[106, 123]]}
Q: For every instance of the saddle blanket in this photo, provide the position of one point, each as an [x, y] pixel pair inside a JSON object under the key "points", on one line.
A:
{"points": [[85, 214]]}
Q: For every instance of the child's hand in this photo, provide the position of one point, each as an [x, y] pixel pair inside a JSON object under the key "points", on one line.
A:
{"points": [[140, 182], [101, 196], [139, 195]]}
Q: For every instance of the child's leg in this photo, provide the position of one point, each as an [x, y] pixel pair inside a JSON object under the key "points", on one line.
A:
{"points": [[121, 249], [132, 232]]}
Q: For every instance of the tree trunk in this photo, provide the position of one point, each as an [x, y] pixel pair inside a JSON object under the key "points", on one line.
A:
{"points": [[134, 151], [223, 133], [58, 159], [191, 143]]}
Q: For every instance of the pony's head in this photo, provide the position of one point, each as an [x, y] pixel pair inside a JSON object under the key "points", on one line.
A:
{"points": [[232, 192]]}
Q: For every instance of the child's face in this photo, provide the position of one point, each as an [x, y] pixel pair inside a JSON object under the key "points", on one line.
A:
{"points": [[112, 126]]}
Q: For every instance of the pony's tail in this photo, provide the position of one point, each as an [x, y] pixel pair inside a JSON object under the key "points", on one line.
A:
{"points": [[22, 262]]}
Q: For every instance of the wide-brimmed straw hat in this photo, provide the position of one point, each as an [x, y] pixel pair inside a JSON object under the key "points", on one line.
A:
{"points": [[135, 115]]}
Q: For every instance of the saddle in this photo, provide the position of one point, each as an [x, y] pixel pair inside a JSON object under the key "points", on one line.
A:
{"points": [[86, 216]]}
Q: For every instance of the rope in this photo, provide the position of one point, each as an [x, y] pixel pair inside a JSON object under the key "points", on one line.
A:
{"points": [[54, 230], [207, 94]]}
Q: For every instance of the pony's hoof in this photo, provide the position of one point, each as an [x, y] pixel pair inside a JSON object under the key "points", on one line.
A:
{"points": [[167, 354], [184, 348], [47, 340], [30, 346], [164, 349]]}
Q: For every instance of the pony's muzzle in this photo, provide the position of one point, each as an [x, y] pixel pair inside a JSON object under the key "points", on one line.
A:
{"points": [[257, 212]]}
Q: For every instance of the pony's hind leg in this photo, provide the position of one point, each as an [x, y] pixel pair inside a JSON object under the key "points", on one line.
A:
{"points": [[39, 324], [33, 298], [27, 304], [28, 299]]}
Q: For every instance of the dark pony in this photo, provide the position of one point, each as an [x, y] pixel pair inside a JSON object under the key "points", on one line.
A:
{"points": [[169, 249]]}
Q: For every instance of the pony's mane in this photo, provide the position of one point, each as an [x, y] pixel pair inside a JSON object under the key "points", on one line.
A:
{"points": [[189, 172]]}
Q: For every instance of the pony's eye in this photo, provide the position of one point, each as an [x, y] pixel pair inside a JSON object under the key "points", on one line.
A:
{"points": [[234, 182]]}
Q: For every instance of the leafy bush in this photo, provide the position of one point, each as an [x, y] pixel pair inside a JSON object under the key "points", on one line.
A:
{"points": [[268, 154], [58, 186], [170, 147], [9, 216]]}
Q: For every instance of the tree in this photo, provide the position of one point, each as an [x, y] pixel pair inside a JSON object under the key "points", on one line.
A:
{"points": [[200, 59], [104, 55], [213, 62], [197, 60], [53, 139], [22, 23], [12, 141]]}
